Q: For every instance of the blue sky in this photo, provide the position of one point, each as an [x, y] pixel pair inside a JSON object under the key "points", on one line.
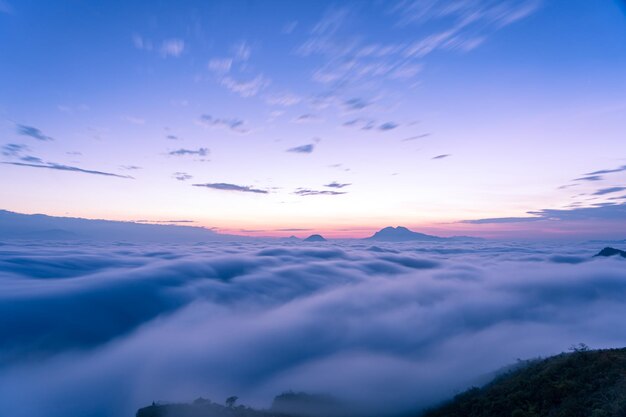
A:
{"points": [[253, 117]]}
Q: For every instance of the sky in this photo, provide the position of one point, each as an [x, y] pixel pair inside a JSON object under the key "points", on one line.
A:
{"points": [[488, 118]]}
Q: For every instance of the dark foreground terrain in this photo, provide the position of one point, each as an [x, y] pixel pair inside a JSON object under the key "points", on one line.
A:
{"points": [[285, 405], [582, 383], [579, 384]]}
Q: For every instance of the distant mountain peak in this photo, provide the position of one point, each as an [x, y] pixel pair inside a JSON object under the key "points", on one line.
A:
{"points": [[400, 234], [608, 251], [315, 238]]}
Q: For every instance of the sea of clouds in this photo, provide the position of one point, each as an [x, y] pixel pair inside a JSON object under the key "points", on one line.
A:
{"points": [[90, 329]]}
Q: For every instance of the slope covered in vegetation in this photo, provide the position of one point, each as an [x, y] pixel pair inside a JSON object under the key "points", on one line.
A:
{"points": [[583, 383], [287, 404]]}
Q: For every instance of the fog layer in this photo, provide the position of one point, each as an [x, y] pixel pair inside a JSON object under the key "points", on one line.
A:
{"points": [[100, 330]]}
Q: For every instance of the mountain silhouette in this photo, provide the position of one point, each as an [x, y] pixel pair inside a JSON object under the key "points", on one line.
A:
{"points": [[43, 227], [608, 251], [315, 238], [401, 234]]}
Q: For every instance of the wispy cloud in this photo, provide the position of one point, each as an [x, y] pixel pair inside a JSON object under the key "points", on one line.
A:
{"points": [[388, 126], [72, 109], [283, 99], [182, 176], [130, 167], [336, 184], [242, 51], [307, 192], [182, 152], [496, 220], [134, 120], [32, 132], [355, 104], [607, 171], [423, 135], [465, 14], [595, 176], [302, 149], [164, 221], [13, 149], [172, 47], [32, 159], [609, 190], [220, 65], [246, 88], [603, 211], [140, 43], [231, 187], [289, 27], [369, 124], [351, 58], [446, 155], [363, 124], [307, 118], [590, 178], [61, 167], [232, 124], [469, 23]]}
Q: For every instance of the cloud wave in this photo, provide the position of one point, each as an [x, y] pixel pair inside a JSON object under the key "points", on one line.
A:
{"points": [[106, 328]]}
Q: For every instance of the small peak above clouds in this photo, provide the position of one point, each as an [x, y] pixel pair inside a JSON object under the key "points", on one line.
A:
{"points": [[608, 251], [315, 238], [400, 234]]}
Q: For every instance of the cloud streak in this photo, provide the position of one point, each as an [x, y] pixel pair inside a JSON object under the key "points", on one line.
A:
{"points": [[308, 192], [182, 176], [609, 190], [172, 47], [32, 132], [424, 135], [336, 184], [608, 171], [232, 187], [61, 167], [232, 124], [246, 88], [388, 126], [13, 149], [183, 152], [605, 211], [302, 149]]}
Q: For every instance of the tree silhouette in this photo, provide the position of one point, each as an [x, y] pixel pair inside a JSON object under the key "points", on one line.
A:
{"points": [[230, 401]]}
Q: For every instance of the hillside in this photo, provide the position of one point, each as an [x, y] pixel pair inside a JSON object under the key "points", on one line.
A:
{"points": [[579, 384], [287, 404], [583, 383]]}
